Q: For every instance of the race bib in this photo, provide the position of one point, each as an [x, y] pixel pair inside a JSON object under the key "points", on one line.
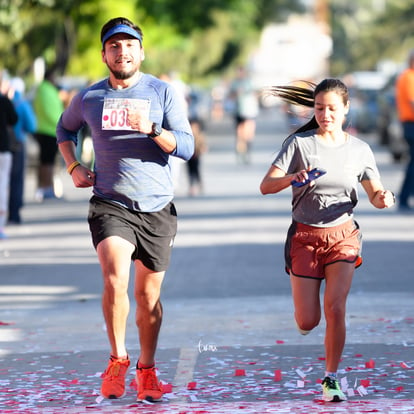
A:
{"points": [[115, 112]]}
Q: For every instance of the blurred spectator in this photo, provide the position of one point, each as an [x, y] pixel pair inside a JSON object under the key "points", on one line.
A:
{"points": [[182, 90], [25, 124], [295, 115], [48, 107], [404, 95], [8, 118], [200, 146], [244, 95], [218, 96]]}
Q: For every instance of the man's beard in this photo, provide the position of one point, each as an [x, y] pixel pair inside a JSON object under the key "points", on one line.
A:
{"points": [[122, 75]]}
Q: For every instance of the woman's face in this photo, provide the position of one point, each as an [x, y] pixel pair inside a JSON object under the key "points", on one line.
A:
{"points": [[330, 111]]}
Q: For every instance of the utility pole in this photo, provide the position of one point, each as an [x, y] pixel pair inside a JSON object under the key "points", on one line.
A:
{"points": [[321, 13], [322, 19]]}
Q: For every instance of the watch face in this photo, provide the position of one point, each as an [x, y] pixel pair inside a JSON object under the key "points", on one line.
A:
{"points": [[156, 130]]}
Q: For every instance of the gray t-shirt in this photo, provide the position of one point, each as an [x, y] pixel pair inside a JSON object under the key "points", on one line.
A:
{"points": [[331, 200]]}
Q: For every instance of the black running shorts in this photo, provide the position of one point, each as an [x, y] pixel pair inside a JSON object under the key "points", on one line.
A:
{"points": [[152, 234]]}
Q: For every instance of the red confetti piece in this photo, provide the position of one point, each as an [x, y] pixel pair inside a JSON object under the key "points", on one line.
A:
{"points": [[166, 388], [365, 383], [239, 373], [279, 341], [191, 385], [5, 323], [278, 375], [404, 365], [370, 364], [72, 382], [399, 389]]}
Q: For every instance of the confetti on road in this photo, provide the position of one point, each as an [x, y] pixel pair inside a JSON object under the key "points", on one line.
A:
{"points": [[272, 380]]}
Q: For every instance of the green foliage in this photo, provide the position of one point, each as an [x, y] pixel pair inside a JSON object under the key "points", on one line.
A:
{"points": [[195, 38], [200, 39], [88, 18], [367, 32]]}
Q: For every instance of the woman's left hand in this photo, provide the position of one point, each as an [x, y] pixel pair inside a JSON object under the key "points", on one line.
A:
{"points": [[387, 197]]}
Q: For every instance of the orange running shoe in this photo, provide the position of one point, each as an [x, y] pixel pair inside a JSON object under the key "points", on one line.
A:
{"points": [[113, 383], [148, 386]]}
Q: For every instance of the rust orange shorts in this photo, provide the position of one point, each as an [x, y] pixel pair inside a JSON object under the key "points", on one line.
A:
{"points": [[308, 249]]}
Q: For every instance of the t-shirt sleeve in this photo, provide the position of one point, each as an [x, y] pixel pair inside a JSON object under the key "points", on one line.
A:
{"points": [[370, 172], [71, 121], [287, 158]]}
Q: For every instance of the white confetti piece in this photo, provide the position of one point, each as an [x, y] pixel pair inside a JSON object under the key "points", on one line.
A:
{"points": [[99, 399], [301, 373], [344, 384], [300, 384], [362, 390]]}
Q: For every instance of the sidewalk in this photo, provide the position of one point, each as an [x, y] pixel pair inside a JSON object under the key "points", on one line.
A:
{"points": [[226, 299]]}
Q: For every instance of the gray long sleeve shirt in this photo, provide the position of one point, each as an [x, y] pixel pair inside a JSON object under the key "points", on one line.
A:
{"points": [[131, 169]]}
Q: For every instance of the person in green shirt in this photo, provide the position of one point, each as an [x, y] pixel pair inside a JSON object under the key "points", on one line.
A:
{"points": [[48, 107]]}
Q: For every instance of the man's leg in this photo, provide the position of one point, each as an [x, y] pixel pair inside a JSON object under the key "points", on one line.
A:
{"points": [[115, 258], [149, 310], [148, 319], [407, 187]]}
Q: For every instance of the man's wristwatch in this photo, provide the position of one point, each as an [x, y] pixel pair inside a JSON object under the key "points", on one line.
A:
{"points": [[156, 130]]}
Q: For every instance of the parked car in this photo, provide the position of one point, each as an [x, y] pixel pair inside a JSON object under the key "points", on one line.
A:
{"points": [[389, 126], [364, 89]]}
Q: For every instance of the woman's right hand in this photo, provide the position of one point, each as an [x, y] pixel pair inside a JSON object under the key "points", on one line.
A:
{"points": [[302, 176]]}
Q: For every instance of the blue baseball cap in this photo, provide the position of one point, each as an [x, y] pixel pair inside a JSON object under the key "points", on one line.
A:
{"points": [[121, 28]]}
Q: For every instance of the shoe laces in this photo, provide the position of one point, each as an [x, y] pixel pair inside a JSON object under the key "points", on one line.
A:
{"points": [[114, 367], [331, 383], [149, 379]]}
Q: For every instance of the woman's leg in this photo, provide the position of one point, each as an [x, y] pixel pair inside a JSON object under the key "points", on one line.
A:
{"points": [[305, 293], [338, 277]]}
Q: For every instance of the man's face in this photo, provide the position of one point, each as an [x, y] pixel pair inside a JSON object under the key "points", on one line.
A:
{"points": [[123, 55]]}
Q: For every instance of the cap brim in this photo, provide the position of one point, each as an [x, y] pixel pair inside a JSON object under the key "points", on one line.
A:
{"points": [[121, 28]]}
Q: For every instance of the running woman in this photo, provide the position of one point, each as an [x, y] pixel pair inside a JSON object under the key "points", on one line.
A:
{"points": [[324, 240]]}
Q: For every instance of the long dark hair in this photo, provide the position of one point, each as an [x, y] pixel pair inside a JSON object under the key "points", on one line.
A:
{"points": [[305, 96]]}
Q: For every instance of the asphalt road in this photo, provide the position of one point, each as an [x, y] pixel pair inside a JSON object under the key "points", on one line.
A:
{"points": [[228, 329]]}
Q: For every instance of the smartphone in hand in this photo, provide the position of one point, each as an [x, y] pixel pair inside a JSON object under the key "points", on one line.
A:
{"points": [[312, 175]]}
